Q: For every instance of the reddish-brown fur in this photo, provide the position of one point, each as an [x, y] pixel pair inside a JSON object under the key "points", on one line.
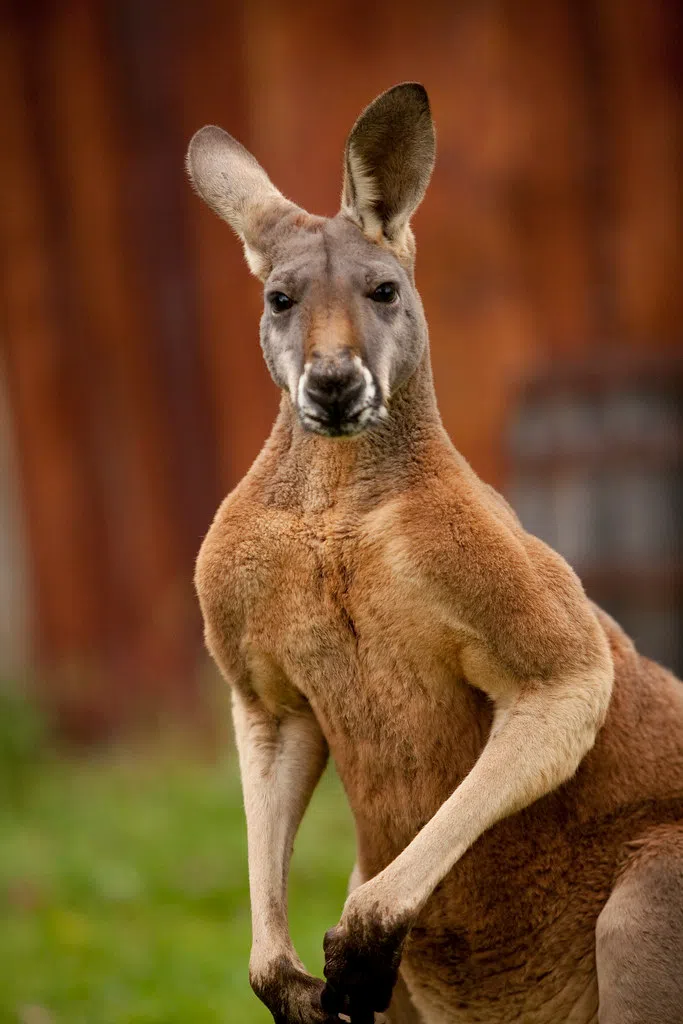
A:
{"points": [[514, 922], [378, 598]]}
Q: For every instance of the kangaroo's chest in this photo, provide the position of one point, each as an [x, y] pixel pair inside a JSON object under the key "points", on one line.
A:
{"points": [[353, 632], [357, 635]]}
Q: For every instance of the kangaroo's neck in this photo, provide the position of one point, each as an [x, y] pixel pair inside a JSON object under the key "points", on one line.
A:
{"points": [[305, 469]]}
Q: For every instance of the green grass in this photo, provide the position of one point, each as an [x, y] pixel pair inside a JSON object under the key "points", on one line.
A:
{"points": [[123, 892]]}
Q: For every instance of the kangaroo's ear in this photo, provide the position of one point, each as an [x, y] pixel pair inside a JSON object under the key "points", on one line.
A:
{"points": [[236, 187], [388, 163]]}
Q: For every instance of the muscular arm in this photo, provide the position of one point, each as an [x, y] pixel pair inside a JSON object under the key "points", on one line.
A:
{"points": [[537, 742], [281, 761], [282, 751]]}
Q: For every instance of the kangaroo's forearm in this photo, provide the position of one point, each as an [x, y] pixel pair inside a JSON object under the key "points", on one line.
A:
{"points": [[536, 743], [281, 761]]}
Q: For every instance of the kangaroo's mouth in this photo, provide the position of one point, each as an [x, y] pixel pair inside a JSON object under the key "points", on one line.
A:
{"points": [[340, 398], [330, 425]]}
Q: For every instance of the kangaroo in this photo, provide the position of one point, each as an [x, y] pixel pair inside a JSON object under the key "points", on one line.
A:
{"points": [[514, 767]]}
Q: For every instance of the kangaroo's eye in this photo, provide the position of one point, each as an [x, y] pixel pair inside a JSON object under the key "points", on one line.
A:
{"points": [[385, 292], [279, 302]]}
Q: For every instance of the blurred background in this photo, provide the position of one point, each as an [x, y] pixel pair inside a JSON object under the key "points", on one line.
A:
{"points": [[133, 395]]}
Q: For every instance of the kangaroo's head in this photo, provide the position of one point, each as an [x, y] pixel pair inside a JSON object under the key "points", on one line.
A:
{"points": [[342, 328]]}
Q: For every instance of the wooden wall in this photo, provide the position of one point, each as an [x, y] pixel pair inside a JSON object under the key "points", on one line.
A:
{"points": [[553, 229]]}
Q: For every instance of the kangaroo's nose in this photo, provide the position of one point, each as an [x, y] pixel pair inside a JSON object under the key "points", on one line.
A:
{"points": [[334, 390]]}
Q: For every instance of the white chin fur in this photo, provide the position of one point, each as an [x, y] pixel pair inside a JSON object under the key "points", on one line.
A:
{"points": [[301, 401]]}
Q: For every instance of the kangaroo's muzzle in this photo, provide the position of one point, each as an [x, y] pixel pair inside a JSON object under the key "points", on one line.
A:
{"points": [[338, 397]]}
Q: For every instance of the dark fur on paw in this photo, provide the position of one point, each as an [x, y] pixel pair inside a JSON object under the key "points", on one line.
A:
{"points": [[291, 995], [361, 967]]}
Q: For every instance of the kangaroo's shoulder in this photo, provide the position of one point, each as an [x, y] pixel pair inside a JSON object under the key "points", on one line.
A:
{"points": [[463, 543], [247, 579], [454, 521], [243, 544]]}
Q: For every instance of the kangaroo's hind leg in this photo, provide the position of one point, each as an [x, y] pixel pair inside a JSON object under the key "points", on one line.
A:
{"points": [[639, 937]]}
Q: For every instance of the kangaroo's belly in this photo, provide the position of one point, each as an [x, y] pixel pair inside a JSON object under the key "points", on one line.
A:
{"points": [[569, 996], [509, 935]]}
